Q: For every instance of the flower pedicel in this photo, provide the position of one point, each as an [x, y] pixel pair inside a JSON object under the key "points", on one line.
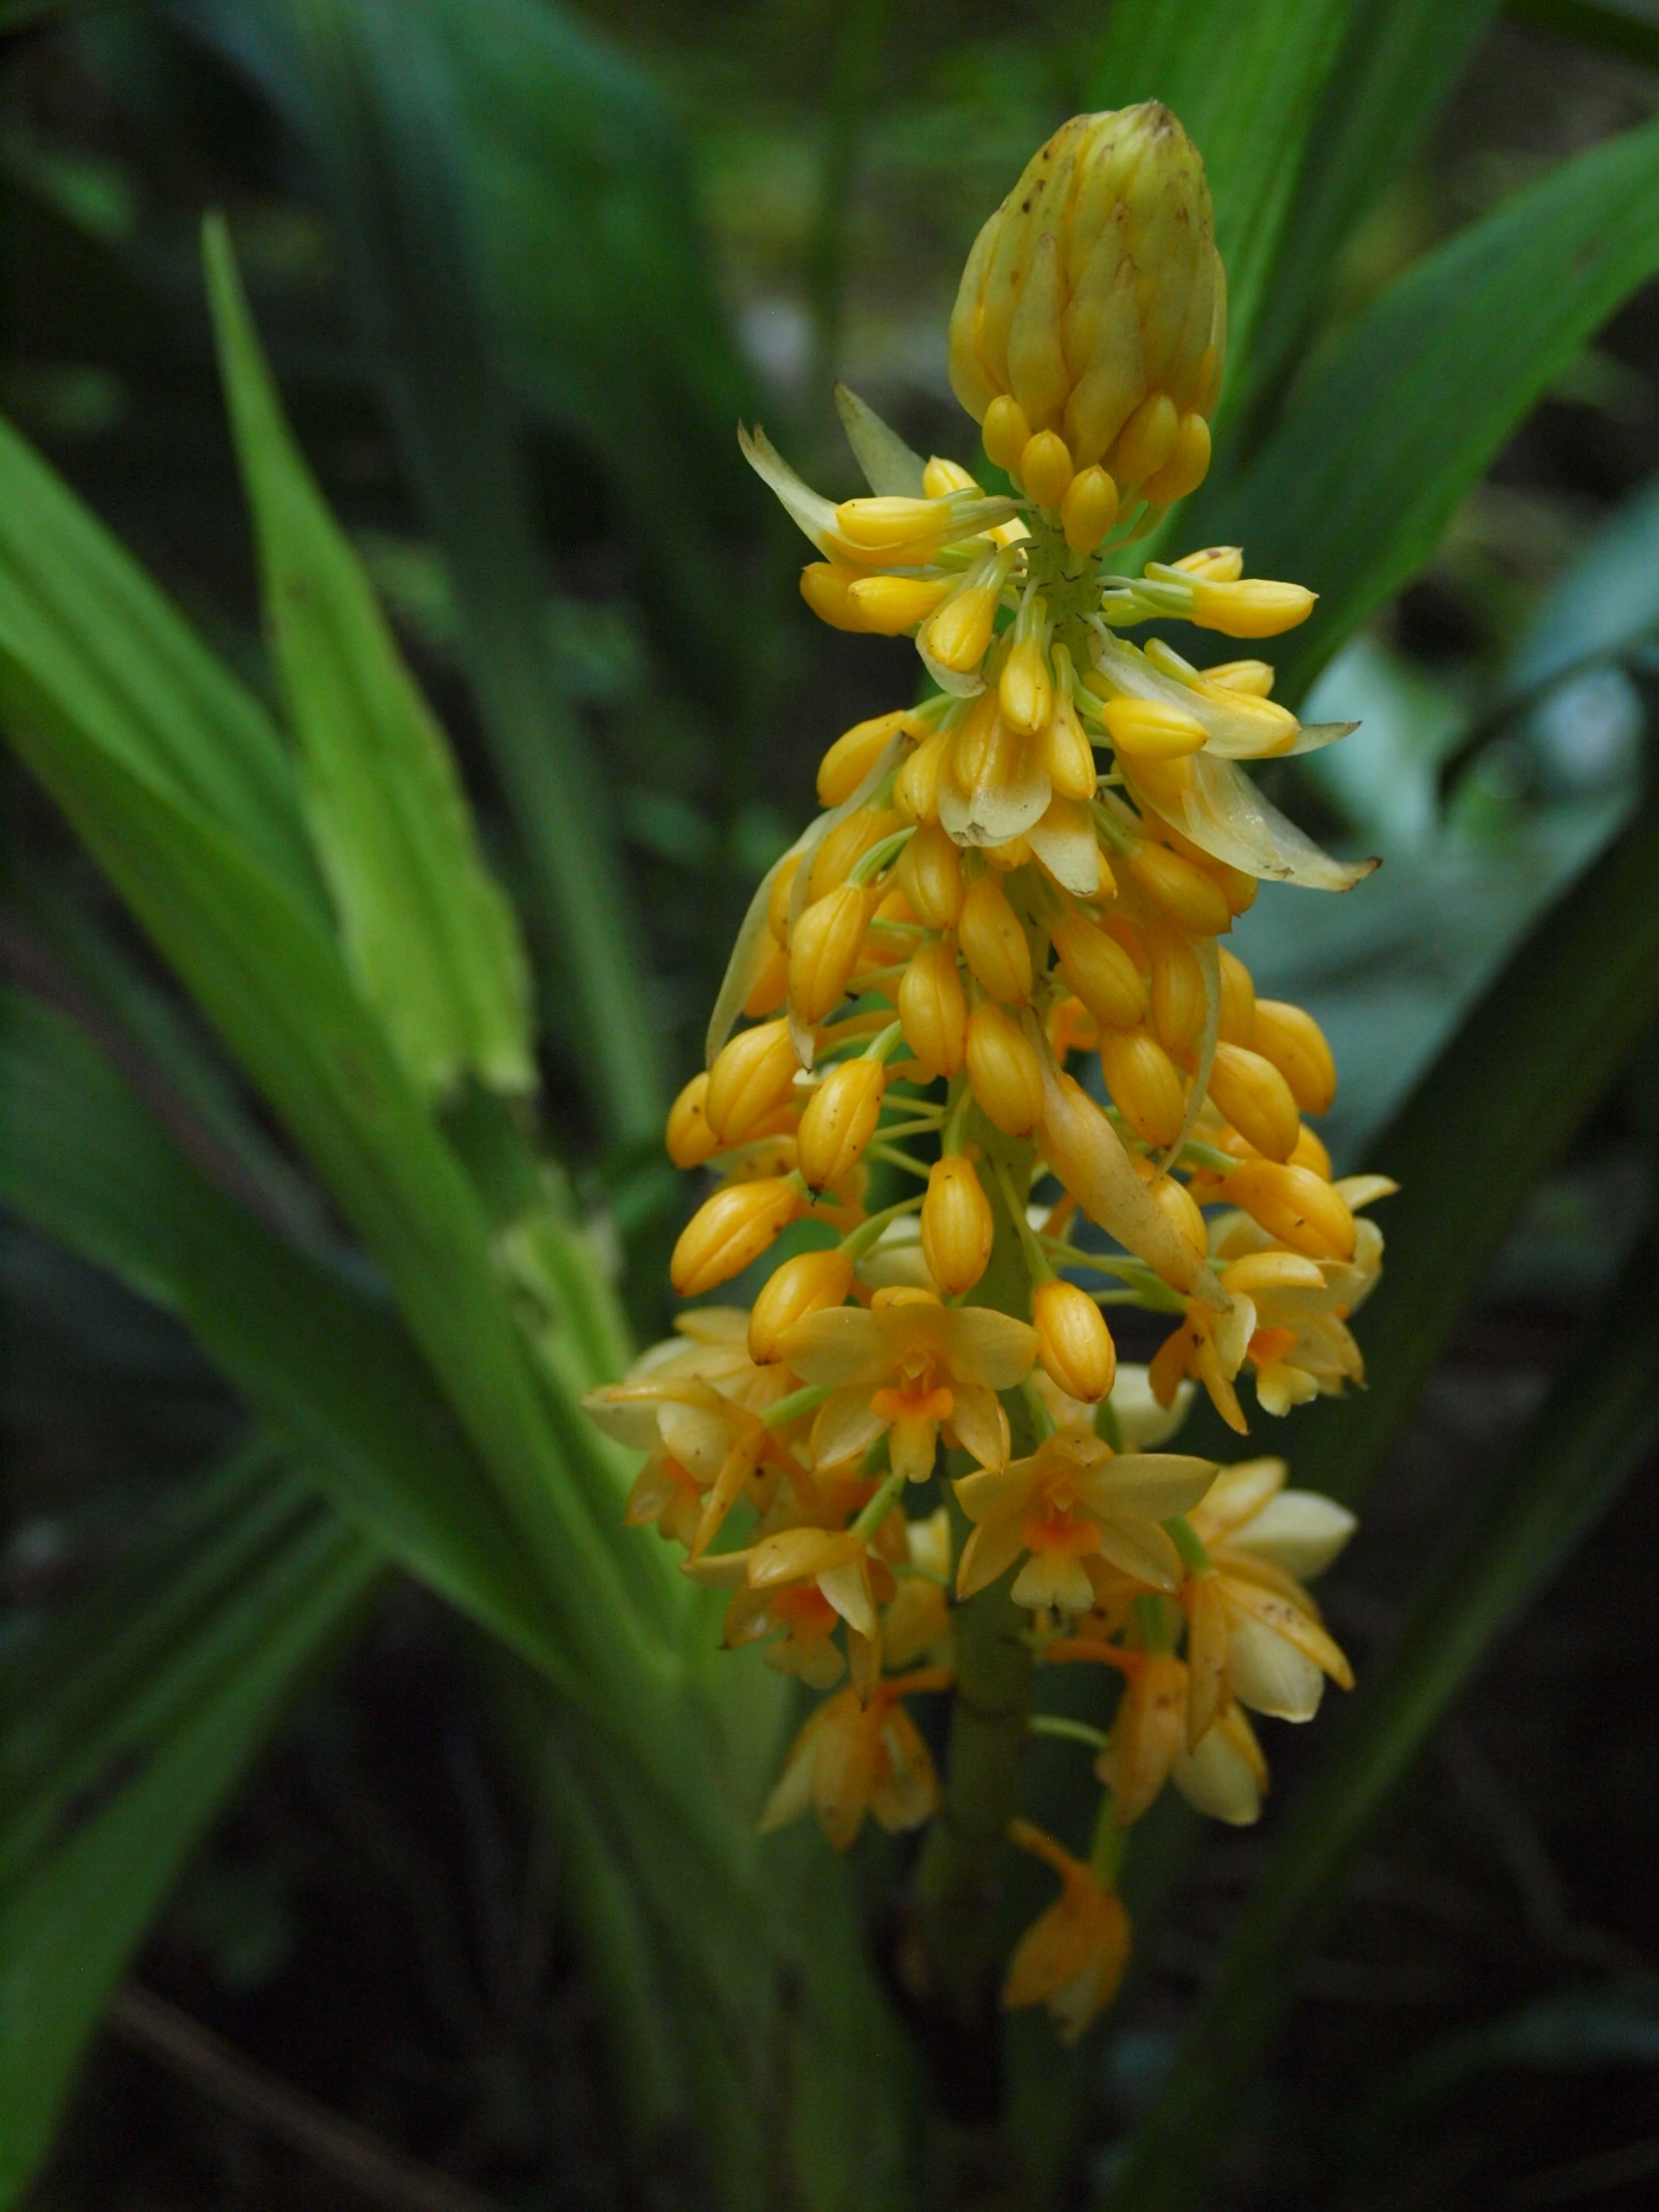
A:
{"points": [[1018, 884]]}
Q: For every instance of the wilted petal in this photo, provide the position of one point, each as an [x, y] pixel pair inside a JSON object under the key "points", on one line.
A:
{"points": [[889, 467], [1218, 807], [1064, 841], [1270, 1674], [1224, 1775], [808, 510], [906, 1790], [792, 1795]]}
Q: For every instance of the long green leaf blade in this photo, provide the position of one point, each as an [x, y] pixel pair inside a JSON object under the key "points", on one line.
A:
{"points": [[1437, 372], [1601, 1421], [117, 1796], [428, 935]]}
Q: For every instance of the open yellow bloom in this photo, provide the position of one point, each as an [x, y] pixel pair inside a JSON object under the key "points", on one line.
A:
{"points": [[1075, 1501], [1072, 1956], [907, 1367], [1254, 1633], [1224, 1775]]}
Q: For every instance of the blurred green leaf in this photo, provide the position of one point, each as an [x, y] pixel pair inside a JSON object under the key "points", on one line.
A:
{"points": [[1246, 81], [1399, 60], [132, 1718], [1598, 1423], [1496, 1108], [375, 95], [1400, 417], [428, 935], [81, 624], [1629, 27], [1604, 603]]}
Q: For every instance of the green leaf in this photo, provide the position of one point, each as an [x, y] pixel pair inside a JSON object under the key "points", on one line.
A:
{"points": [[1599, 1421], [1246, 82], [136, 1715], [1628, 27], [1496, 1107], [1396, 65], [428, 935], [380, 103], [81, 624], [1351, 491]]}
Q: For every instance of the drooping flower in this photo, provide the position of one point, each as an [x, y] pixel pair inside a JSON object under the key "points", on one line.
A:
{"points": [[1072, 1956], [853, 1759]]}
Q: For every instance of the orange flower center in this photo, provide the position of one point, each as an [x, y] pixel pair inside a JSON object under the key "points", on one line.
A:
{"points": [[1269, 1344], [805, 1612], [1061, 1533], [914, 1399]]}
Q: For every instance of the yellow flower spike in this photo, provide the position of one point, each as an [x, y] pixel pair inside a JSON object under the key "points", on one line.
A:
{"points": [[958, 634], [1101, 973], [930, 873], [730, 1228], [804, 1285], [752, 1073], [1293, 1204], [940, 477], [857, 751], [1188, 895], [825, 586], [1073, 1341], [1252, 608], [915, 791], [994, 942], [890, 605], [1072, 1956], [1005, 1070], [1146, 441], [1252, 1094], [688, 1139], [1238, 1001], [1025, 689], [1006, 432], [932, 1008], [1046, 469], [958, 1229], [1254, 679], [823, 951], [1219, 563], [839, 1121], [1144, 1083], [1089, 508], [1187, 464], [1151, 730], [1293, 1041], [1178, 997]]}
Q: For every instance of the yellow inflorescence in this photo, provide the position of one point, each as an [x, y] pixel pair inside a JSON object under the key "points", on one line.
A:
{"points": [[1020, 882]]}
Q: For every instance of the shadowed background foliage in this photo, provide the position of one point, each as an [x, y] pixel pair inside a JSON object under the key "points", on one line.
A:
{"points": [[341, 1864]]}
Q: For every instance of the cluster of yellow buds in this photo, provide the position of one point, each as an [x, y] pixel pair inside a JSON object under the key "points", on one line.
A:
{"points": [[1037, 862]]}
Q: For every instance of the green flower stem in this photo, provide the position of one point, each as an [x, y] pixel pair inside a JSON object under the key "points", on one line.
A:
{"points": [[1188, 1542], [797, 1403], [859, 1241], [878, 1507], [955, 1896], [1061, 1725]]}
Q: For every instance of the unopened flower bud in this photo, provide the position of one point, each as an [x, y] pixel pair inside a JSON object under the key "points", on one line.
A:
{"points": [[825, 586], [891, 522], [915, 791], [1144, 1082], [1187, 895], [930, 873], [1005, 432], [770, 985], [687, 1138], [1311, 1152], [994, 944], [958, 634], [1220, 564], [1067, 753], [1153, 730], [1238, 1001], [848, 843], [932, 1008], [1253, 608], [1251, 679], [823, 951], [730, 1228], [1293, 1041], [890, 605], [802, 1286], [752, 1072], [1045, 468], [1073, 1341], [1005, 1070], [1250, 1092], [1179, 1002], [1187, 464], [857, 751], [1089, 509], [956, 1225], [941, 476], [1177, 1205], [1295, 1206], [839, 1121], [1094, 301], [1101, 973], [1025, 690]]}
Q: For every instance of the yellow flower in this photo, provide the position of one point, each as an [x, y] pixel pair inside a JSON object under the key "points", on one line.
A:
{"points": [[805, 1579], [1252, 1632], [1075, 1501], [1072, 1956], [907, 1367], [1223, 1775], [852, 1759]]}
